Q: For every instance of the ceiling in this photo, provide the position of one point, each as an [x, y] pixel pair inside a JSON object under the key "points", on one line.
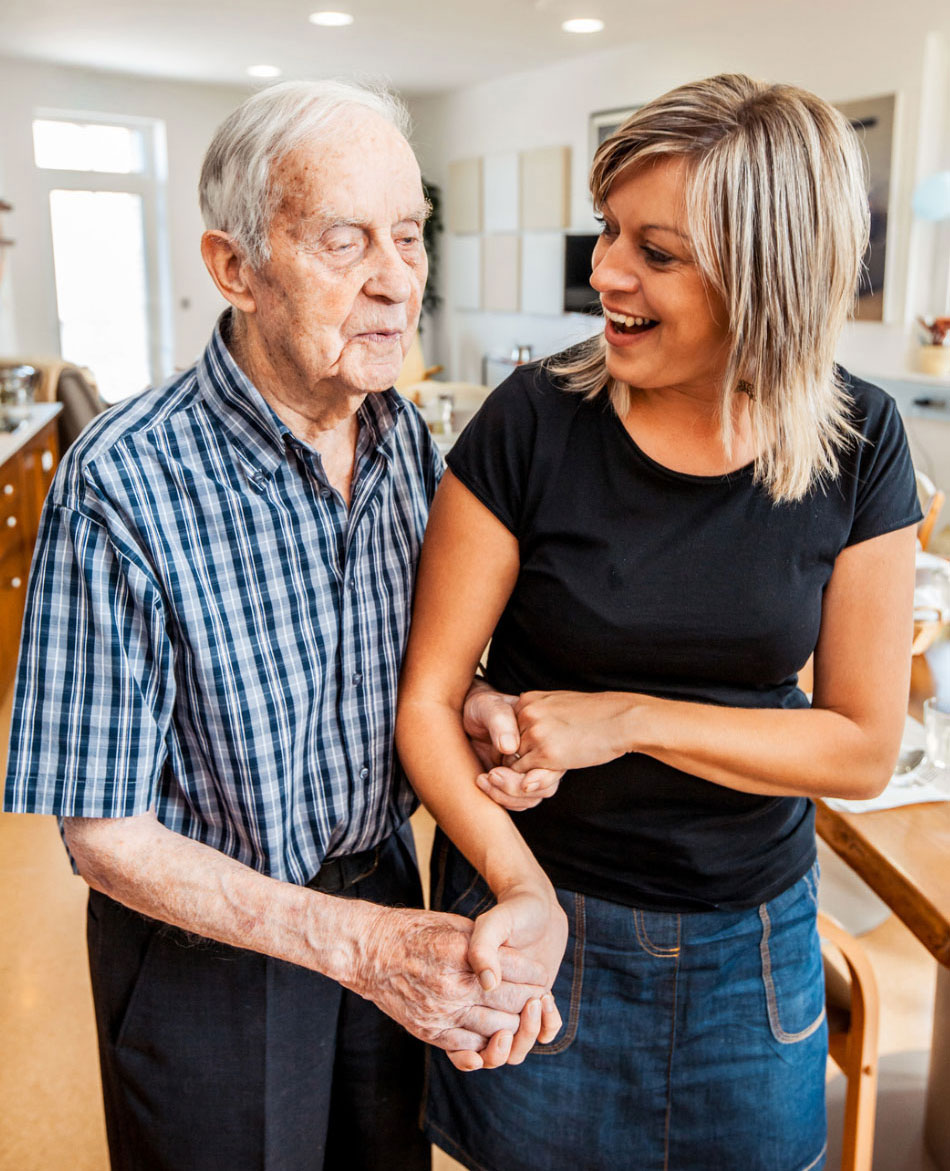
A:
{"points": [[418, 46]]}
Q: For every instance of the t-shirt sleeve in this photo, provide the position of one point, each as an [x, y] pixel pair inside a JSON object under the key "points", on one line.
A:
{"points": [[886, 489], [95, 679], [492, 457]]}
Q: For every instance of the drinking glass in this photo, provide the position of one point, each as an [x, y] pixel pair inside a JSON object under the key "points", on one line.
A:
{"points": [[937, 731]]}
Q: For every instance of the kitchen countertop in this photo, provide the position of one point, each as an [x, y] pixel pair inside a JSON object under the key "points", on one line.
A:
{"points": [[39, 415]]}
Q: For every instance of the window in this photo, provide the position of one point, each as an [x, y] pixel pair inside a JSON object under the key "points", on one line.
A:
{"points": [[105, 180], [88, 146]]}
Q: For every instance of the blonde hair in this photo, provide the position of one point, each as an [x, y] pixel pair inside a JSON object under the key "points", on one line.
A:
{"points": [[778, 217]]}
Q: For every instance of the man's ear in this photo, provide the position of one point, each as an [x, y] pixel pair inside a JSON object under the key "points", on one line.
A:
{"points": [[228, 270]]}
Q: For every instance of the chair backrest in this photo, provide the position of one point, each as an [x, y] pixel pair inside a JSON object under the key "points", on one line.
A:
{"points": [[853, 1009], [81, 403], [413, 366], [74, 387], [931, 502]]}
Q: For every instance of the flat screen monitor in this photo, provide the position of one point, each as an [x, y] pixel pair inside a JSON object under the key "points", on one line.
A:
{"points": [[579, 297]]}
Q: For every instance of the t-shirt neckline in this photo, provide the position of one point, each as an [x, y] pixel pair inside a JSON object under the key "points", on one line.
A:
{"points": [[743, 472]]}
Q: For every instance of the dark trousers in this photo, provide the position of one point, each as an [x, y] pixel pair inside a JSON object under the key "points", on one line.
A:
{"points": [[219, 1059]]}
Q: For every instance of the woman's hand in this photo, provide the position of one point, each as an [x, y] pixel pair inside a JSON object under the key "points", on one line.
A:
{"points": [[558, 730], [573, 729], [530, 920], [517, 791]]}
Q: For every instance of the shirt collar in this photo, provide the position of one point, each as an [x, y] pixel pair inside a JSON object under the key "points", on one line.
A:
{"points": [[251, 422]]}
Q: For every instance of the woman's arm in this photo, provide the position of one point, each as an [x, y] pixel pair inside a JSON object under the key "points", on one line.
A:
{"points": [[844, 745], [467, 571]]}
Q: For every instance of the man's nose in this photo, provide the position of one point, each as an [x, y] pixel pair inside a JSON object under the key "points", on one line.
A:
{"points": [[390, 276]]}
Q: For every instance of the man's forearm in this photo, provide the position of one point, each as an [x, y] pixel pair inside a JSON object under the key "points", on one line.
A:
{"points": [[411, 963], [140, 863]]}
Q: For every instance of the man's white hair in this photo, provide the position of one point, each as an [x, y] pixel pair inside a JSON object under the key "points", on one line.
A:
{"points": [[235, 190]]}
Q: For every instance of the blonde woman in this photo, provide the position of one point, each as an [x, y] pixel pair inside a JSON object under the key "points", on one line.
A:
{"points": [[657, 529]]}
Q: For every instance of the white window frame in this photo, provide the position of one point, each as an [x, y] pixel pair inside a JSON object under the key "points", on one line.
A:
{"points": [[150, 184]]}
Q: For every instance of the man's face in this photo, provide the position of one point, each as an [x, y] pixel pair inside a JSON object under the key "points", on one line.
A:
{"points": [[338, 301]]}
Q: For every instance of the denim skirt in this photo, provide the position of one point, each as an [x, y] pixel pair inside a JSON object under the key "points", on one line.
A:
{"points": [[691, 1042]]}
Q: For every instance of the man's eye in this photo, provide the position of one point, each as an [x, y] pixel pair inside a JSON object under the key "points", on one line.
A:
{"points": [[342, 242]]}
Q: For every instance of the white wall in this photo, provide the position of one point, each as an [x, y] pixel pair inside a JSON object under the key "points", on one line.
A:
{"points": [[7, 326], [190, 113], [843, 58]]}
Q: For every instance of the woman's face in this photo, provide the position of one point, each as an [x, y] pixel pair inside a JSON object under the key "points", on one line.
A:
{"points": [[663, 327]]}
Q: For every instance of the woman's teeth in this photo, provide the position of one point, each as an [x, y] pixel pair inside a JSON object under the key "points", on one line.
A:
{"points": [[625, 324]]}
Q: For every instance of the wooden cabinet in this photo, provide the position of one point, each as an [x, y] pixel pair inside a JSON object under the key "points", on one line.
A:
{"points": [[25, 478]]}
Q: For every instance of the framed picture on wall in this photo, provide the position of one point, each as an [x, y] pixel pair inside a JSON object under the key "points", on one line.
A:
{"points": [[873, 120], [603, 123]]}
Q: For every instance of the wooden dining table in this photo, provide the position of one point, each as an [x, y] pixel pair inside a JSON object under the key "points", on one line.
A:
{"points": [[903, 855]]}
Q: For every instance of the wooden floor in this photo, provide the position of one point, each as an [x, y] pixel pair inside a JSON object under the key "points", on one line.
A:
{"points": [[51, 1117]]}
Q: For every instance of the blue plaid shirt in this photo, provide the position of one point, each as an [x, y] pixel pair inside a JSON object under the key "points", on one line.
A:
{"points": [[212, 634]]}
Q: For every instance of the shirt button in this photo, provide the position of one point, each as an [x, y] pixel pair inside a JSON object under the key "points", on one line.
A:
{"points": [[325, 492], [364, 774], [352, 583], [356, 678]]}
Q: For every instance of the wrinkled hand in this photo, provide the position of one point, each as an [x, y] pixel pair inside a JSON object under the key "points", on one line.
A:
{"points": [[572, 729], [415, 967], [533, 921], [492, 728]]}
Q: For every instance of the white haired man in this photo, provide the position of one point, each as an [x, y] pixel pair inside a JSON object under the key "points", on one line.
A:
{"points": [[206, 691]]}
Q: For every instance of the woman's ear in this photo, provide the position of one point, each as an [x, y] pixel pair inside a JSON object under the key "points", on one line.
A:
{"points": [[228, 270]]}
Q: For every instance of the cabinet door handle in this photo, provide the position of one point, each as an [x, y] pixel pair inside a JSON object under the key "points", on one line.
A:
{"points": [[11, 522], [16, 582], [46, 461], [8, 489]]}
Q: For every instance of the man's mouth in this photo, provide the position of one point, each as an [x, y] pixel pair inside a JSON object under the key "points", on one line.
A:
{"points": [[379, 334], [623, 323]]}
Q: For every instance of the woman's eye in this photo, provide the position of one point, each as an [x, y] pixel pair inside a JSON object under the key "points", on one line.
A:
{"points": [[606, 229], [655, 256]]}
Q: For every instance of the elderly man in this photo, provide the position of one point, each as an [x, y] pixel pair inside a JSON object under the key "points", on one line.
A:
{"points": [[206, 690]]}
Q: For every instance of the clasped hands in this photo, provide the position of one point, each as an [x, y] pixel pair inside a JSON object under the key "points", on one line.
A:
{"points": [[481, 990], [556, 731], [460, 986]]}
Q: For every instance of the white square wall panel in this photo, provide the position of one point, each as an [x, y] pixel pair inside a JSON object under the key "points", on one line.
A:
{"points": [[542, 273], [546, 188], [465, 196], [501, 271], [500, 192], [465, 272]]}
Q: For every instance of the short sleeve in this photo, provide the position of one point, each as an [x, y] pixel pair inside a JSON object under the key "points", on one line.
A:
{"points": [[886, 489], [493, 455], [95, 678]]}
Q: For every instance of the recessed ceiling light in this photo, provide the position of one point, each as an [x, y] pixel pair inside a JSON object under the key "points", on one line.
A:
{"points": [[264, 71], [583, 25], [331, 19]]}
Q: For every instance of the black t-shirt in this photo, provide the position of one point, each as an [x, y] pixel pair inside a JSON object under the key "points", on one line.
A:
{"points": [[638, 578]]}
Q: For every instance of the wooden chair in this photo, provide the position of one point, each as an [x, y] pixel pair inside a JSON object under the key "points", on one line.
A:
{"points": [[416, 383], [64, 382], [414, 369], [852, 1005], [931, 502]]}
